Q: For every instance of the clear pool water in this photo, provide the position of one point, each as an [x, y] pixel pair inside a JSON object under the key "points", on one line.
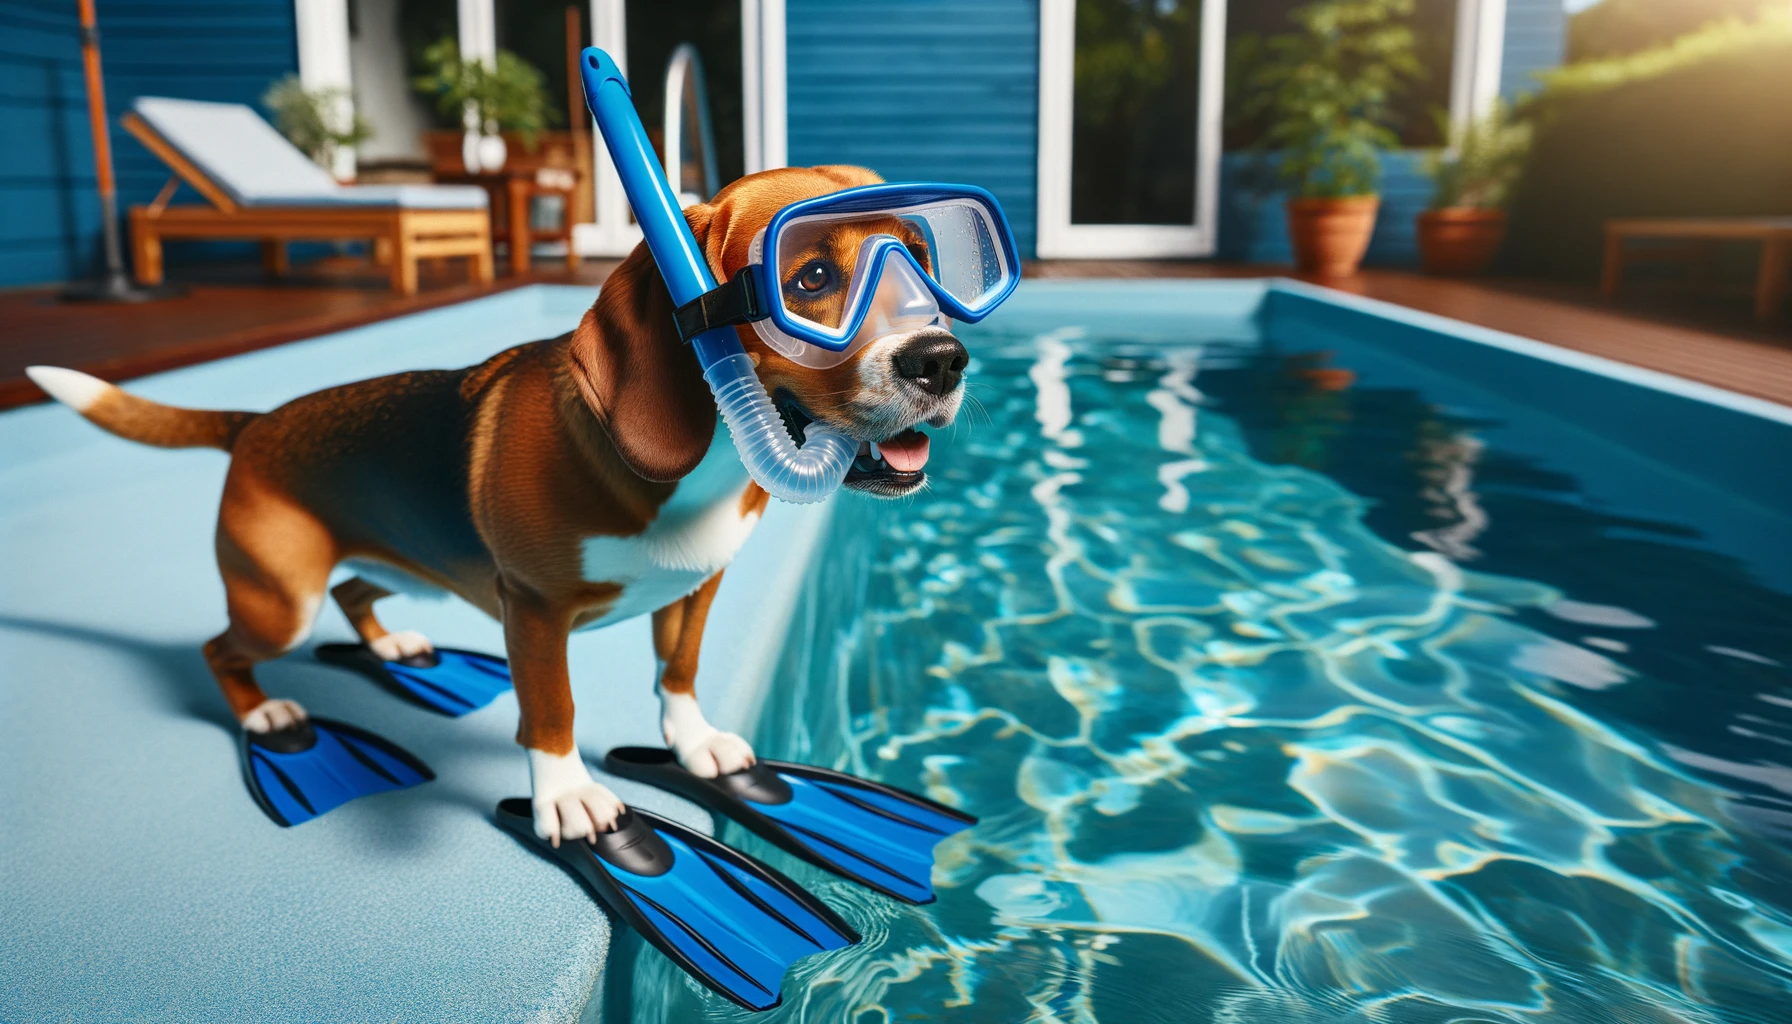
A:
{"points": [[1295, 679]]}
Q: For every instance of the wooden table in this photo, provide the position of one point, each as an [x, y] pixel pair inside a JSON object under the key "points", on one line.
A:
{"points": [[511, 191], [551, 167], [1774, 234]]}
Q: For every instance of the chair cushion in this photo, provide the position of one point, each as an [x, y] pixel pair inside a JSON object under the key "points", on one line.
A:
{"points": [[256, 166], [407, 197]]}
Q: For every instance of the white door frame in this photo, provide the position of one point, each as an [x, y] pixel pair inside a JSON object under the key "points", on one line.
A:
{"points": [[764, 127], [1058, 237], [322, 30], [1476, 60]]}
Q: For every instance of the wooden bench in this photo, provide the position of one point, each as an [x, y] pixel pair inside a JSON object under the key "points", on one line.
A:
{"points": [[1774, 234]]}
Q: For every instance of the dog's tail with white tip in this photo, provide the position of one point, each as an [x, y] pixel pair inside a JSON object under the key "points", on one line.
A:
{"points": [[139, 419]]}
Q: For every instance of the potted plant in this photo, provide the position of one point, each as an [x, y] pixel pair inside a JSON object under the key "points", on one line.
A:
{"points": [[508, 94], [1325, 95], [320, 122], [1463, 229]]}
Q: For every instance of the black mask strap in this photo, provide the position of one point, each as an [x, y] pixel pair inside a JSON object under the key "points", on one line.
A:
{"points": [[736, 302]]}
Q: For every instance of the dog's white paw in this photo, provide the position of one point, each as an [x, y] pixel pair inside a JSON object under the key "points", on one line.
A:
{"points": [[704, 750], [715, 754], [566, 802], [578, 813], [273, 714], [403, 644]]}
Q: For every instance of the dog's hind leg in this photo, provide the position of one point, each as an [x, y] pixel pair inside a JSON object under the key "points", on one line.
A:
{"points": [[275, 558], [355, 596], [677, 635]]}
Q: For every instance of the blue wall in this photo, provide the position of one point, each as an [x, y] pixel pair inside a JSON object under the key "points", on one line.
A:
{"points": [[1536, 40], [228, 50], [920, 89], [50, 219]]}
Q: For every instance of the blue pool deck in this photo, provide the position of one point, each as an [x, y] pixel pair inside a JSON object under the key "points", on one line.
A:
{"points": [[144, 885]]}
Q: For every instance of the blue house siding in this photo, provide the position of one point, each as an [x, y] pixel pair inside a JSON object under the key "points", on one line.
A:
{"points": [[226, 50], [1536, 40], [51, 219], [944, 90]]}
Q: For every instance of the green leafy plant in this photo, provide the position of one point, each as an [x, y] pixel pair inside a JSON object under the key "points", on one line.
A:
{"points": [[1614, 28], [509, 94], [1326, 91], [1727, 39], [1484, 159], [311, 119]]}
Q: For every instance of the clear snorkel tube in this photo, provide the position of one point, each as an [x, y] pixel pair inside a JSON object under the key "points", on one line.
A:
{"points": [[797, 475]]}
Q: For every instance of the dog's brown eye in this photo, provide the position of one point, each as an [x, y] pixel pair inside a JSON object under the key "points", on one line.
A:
{"points": [[815, 277]]}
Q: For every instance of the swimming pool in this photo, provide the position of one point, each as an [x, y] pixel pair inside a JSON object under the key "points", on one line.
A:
{"points": [[1306, 664]]}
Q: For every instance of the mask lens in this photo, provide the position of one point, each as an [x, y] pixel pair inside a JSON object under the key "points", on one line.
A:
{"points": [[901, 303], [819, 259], [816, 264], [967, 258]]}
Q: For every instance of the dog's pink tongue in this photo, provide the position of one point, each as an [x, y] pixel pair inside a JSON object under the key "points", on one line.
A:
{"points": [[906, 452]]}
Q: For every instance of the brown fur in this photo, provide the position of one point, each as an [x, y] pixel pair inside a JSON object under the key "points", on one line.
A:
{"points": [[166, 426], [486, 480], [678, 632]]}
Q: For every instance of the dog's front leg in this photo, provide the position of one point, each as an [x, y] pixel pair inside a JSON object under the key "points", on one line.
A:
{"points": [[567, 803], [677, 635]]}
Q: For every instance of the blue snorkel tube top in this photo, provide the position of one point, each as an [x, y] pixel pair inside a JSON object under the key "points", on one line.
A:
{"points": [[798, 475]]}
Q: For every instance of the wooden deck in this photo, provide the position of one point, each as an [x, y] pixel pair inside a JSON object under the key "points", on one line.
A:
{"points": [[222, 315]]}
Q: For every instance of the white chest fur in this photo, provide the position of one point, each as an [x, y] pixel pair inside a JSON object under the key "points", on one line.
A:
{"points": [[696, 534]]}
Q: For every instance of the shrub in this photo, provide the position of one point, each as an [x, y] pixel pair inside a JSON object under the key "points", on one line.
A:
{"points": [[508, 95], [311, 119], [1326, 91], [1484, 159], [1698, 128], [1613, 28]]}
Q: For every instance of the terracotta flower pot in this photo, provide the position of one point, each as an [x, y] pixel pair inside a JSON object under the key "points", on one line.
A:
{"points": [[1331, 235], [1460, 239]]}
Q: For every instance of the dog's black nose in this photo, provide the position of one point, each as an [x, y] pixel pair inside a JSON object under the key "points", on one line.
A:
{"points": [[932, 362]]}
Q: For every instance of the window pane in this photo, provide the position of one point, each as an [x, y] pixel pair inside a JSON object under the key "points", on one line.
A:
{"points": [[1415, 110], [1133, 131], [655, 28]]}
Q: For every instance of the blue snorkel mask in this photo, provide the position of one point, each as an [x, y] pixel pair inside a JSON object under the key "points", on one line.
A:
{"points": [[826, 277]]}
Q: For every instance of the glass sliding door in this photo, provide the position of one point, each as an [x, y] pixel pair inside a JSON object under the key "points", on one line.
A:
{"points": [[741, 47], [1129, 126]]}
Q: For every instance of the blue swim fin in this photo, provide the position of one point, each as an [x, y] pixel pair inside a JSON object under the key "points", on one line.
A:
{"points": [[735, 924], [450, 681], [877, 835], [300, 772]]}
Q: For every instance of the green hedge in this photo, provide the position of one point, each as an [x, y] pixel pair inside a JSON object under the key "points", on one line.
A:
{"points": [[1703, 132]]}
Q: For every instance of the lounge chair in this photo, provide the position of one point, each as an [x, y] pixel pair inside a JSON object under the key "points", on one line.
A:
{"points": [[261, 187], [1774, 234]]}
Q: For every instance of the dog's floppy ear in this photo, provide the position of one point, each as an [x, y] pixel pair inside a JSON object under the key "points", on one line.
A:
{"points": [[641, 381]]}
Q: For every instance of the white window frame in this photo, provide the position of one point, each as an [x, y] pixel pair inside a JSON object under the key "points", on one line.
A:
{"points": [[764, 126], [1058, 237], [1479, 52], [321, 27]]}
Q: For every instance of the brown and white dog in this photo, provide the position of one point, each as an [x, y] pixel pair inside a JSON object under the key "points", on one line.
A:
{"points": [[559, 485]]}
